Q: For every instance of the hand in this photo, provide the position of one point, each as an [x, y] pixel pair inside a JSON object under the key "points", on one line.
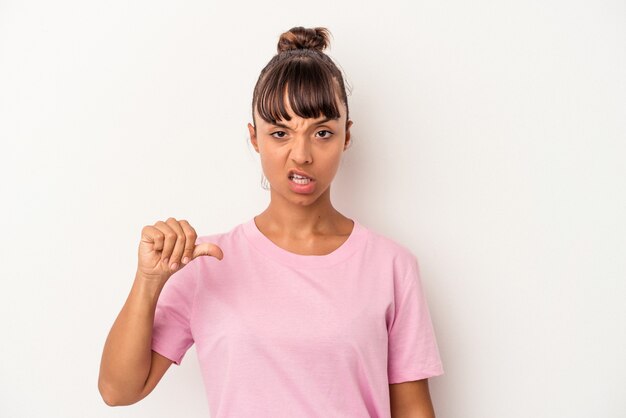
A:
{"points": [[164, 247]]}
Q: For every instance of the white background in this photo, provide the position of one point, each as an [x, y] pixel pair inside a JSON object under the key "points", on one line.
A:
{"points": [[488, 138]]}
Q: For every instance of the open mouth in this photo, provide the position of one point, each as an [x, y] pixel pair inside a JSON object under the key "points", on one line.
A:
{"points": [[299, 177], [300, 180]]}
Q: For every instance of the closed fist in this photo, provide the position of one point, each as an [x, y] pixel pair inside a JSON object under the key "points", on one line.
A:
{"points": [[166, 247]]}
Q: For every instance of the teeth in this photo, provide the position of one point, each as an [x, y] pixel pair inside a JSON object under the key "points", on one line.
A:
{"points": [[297, 176], [301, 181]]}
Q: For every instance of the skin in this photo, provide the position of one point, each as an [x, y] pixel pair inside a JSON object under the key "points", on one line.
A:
{"points": [[300, 223], [129, 369], [411, 400]]}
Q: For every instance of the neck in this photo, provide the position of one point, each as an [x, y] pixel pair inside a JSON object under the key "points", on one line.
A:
{"points": [[291, 218]]}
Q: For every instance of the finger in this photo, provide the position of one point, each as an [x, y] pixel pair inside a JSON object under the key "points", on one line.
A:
{"points": [[151, 235], [190, 240], [168, 242], [179, 246], [207, 248]]}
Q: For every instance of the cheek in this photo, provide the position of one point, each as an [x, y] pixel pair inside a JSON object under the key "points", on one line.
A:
{"points": [[270, 160], [329, 168]]}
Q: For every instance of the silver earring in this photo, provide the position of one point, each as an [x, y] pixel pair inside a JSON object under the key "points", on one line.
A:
{"points": [[265, 184]]}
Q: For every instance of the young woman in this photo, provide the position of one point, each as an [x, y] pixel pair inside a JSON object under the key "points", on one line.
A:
{"points": [[298, 312]]}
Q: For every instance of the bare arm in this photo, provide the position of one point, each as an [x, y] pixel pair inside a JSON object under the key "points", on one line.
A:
{"points": [[411, 400], [129, 369]]}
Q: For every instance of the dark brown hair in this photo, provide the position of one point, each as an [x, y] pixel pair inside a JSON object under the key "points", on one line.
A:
{"points": [[312, 80]]}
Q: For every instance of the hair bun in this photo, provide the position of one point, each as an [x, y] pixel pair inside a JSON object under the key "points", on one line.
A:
{"points": [[304, 38]]}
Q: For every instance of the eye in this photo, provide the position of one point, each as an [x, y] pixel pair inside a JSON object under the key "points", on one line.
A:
{"points": [[278, 132], [328, 134]]}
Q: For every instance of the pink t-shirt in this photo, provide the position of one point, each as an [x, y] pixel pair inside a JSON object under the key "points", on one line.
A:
{"points": [[280, 334]]}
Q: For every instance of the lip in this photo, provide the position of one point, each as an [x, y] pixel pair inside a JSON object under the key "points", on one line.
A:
{"points": [[302, 188], [301, 173]]}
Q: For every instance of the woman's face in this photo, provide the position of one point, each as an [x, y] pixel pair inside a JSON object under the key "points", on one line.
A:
{"points": [[312, 146]]}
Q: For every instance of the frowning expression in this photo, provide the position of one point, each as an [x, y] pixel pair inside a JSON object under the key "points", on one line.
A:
{"points": [[309, 146]]}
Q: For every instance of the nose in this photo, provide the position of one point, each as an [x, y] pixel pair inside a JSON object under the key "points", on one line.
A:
{"points": [[301, 150]]}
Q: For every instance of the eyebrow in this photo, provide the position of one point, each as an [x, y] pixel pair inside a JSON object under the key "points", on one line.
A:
{"points": [[315, 124]]}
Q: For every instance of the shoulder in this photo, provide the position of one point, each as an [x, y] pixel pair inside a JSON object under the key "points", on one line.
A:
{"points": [[221, 237], [385, 248], [231, 241]]}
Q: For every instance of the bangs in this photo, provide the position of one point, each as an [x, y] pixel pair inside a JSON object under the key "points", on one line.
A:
{"points": [[311, 88]]}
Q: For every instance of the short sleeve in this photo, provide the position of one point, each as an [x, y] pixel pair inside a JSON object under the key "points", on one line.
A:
{"points": [[171, 332], [413, 353]]}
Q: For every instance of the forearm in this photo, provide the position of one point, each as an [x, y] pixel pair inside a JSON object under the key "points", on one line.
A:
{"points": [[127, 356]]}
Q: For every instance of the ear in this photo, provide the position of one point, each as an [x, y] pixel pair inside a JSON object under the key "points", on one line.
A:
{"points": [[347, 143], [253, 137]]}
